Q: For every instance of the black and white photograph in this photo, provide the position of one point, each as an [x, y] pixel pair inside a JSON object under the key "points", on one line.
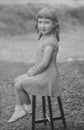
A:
{"points": [[41, 64]]}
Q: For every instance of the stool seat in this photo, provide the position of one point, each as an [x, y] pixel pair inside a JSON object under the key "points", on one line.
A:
{"points": [[50, 119]]}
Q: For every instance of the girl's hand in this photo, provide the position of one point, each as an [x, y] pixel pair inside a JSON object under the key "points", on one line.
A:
{"points": [[30, 71]]}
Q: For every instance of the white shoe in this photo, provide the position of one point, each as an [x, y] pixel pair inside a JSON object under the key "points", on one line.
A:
{"points": [[18, 114], [27, 108]]}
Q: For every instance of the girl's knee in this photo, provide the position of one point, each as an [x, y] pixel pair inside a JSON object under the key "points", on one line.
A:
{"points": [[18, 78], [18, 85]]}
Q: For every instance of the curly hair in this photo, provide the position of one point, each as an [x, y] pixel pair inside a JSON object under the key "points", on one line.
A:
{"points": [[49, 13]]}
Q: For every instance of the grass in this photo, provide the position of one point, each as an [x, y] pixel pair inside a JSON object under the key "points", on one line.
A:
{"points": [[72, 96]]}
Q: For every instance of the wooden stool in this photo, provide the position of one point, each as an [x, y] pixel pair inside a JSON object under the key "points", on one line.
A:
{"points": [[45, 117]]}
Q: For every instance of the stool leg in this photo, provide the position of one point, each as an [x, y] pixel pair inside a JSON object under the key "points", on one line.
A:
{"points": [[33, 111], [44, 108], [50, 112], [62, 113]]}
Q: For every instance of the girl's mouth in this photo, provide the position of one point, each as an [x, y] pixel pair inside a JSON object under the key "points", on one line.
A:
{"points": [[43, 30]]}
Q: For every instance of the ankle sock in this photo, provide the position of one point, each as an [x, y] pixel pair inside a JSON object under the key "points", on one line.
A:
{"points": [[18, 107], [27, 107]]}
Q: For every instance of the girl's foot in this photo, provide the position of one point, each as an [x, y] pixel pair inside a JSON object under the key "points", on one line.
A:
{"points": [[18, 114], [28, 108]]}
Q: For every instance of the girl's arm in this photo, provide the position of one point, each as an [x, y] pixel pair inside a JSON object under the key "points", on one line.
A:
{"points": [[44, 64]]}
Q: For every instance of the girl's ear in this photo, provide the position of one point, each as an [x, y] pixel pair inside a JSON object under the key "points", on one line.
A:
{"points": [[54, 24], [36, 27]]}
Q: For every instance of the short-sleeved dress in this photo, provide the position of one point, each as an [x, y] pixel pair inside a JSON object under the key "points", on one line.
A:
{"points": [[48, 82]]}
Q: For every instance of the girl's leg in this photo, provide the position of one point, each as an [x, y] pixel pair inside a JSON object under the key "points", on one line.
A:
{"points": [[22, 103], [21, 96], [17, 98]]}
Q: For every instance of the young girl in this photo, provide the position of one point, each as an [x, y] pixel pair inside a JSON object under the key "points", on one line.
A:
{"points": [[43, 78]]}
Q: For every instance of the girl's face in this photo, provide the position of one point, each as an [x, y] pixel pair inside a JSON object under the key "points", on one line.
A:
{"points": [[45, 26]]}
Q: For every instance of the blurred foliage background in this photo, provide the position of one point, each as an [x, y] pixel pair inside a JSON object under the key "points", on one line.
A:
{"points": [[20, 19]]}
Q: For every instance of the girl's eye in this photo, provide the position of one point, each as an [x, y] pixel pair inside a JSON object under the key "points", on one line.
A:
{"points": [[46, 22], [39, 21]]}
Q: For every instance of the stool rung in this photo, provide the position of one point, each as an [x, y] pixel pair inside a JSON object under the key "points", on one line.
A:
{"points": [[41, 120], [54, 118], [47, 119]]}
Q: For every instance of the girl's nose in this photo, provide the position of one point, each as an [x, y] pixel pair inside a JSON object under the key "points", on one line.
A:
{"points": [[43, 25]]}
